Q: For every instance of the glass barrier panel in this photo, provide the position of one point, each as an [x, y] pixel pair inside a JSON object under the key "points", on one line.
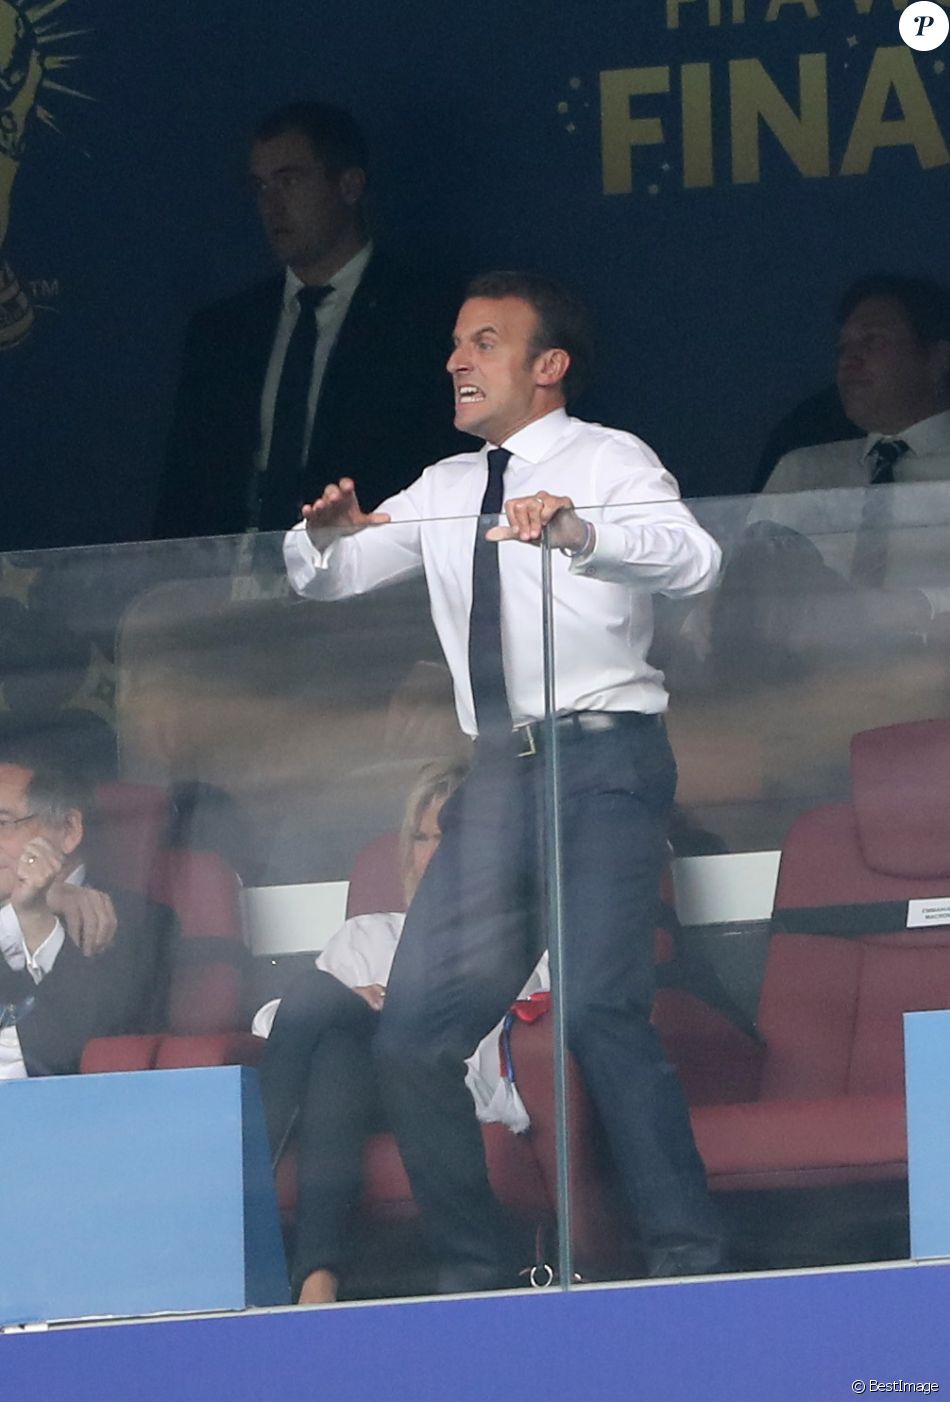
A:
{"points": [[271, 767], [258, 777], [736, 963]]}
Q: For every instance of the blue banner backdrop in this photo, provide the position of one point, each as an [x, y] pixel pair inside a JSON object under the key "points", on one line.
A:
{"points": [[710, 173]]}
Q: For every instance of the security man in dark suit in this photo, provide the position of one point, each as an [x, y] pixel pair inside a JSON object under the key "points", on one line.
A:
{"points": [[334, 366]]}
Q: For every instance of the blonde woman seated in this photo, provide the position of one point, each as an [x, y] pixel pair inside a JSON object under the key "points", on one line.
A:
{"points": [[317, 1074]]}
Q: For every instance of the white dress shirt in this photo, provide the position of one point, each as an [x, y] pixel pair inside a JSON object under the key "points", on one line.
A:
{"points": [[361, 953], [646, 542], [850, 462], [37, 962], [330, 317], [917, 507]]}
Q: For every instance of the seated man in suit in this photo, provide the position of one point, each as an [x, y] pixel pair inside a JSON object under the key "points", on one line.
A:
{"points": [[891, 331], [294, 380], [58, 989], [893, 378]]}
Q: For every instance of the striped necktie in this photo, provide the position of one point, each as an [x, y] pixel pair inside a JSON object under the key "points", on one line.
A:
{"points": [[869, 565], [885, 453]]}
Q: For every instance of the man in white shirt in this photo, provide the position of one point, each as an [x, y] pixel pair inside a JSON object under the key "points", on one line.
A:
{"points": [[283, 382], [476, 927], [893, 378], [75, 963]]}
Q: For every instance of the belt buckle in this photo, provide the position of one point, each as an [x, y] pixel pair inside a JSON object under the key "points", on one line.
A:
{"points": [[530, 744]]}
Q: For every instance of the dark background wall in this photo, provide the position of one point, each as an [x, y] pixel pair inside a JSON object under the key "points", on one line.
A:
{"points": [[713, 302]]}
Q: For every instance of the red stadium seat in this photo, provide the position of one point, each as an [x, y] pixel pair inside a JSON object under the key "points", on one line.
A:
{"points": [[842, 969], [206, 984]]}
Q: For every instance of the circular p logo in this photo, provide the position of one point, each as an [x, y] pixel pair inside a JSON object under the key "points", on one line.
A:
{"points": [[924, 25]]}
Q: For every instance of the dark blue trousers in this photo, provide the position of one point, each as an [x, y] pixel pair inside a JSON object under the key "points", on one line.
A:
{"points": [[475, 931], [318, 1078]]}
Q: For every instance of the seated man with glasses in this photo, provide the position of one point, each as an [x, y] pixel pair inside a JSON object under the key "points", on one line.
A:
{"points": [[75, 962]]}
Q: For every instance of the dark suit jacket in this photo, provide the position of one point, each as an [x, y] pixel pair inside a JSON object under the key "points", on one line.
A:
{"points": [[384, 413], [123, 990]]}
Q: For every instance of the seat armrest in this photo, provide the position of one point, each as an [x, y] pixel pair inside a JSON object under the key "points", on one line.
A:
{"points": [[132, 1053], [210, 1049]]}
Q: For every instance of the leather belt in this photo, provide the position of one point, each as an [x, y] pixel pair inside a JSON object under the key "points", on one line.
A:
{"points": [[530, 734]]}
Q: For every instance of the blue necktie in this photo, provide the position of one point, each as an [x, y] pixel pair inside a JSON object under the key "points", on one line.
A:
{"points": [[484, 640]]}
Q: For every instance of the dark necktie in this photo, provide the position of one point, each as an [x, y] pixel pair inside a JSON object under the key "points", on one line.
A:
{"points": [[484, 640], [885, 453], [869, 566], [282, 482]]}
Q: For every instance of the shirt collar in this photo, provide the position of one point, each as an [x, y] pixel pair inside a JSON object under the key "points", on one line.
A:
{"points": [[929, 436], [11, 936], [535, 441], [345, 280]]}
